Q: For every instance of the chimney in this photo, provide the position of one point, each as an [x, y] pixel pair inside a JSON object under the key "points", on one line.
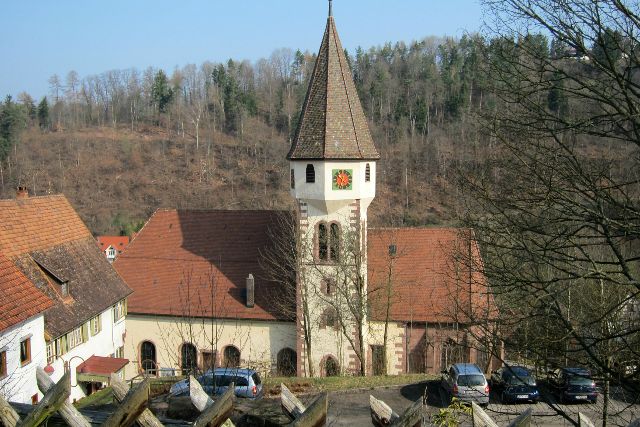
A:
{"points": [[250, 291], [22, 193]]}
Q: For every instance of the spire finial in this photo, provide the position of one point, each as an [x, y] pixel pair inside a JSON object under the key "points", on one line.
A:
{"points": [[330, 8]]}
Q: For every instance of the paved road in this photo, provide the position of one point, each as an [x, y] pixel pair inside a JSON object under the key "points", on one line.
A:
{"points": [[352, 408]]}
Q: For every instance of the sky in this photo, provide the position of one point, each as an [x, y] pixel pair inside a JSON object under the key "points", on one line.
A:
{"points": [[39, 38]]}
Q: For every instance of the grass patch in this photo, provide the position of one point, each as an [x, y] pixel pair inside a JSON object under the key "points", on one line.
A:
{"points": [[308, 385]]}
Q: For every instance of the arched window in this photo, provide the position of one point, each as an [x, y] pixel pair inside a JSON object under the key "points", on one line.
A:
{"points": [[323, 242], [335, 241], [189, 358], [287, 360], [148, 358], [331, 367], [328, 286], [329, 319], [231, 357], [367, 173], [311, 174]]}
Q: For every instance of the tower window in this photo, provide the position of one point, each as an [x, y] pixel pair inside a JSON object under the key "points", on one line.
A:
{"points": [[293, 180], [311, 174], [367, 173], [335, 241], [323, 242], [328, 242]]}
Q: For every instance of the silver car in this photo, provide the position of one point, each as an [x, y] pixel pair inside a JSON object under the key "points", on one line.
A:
{"points": [[247, 383], [467, 382]]}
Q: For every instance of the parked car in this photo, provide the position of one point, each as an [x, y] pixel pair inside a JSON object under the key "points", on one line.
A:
{"points": [[573, 385], [247, 383], [515, 384], [466, 382]]}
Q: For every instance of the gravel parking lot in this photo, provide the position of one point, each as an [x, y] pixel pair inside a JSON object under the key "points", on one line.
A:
{"points": [[352, 408]]}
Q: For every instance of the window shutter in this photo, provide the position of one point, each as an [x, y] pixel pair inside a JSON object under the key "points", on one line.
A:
{"points": [[85, 332], [99, 322]]}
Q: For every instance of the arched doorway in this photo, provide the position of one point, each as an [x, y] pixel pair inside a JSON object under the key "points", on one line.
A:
{"points": [[231, 357], [189, 358], [148, 358], [287, 362], [329, 367]]}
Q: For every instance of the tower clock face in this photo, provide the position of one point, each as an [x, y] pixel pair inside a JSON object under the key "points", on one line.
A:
{"points": [[342, 179]]}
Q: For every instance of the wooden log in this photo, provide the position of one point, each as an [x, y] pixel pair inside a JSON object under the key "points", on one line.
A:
{"points": [[381, 413], [199, 397], [290, 403], [315, 415], [523, 420], [584, 421], [67, 411], [480, 417], [120, 390], [412, 416], [131, 407], [217, 414], [51, 402], [8, 417]]}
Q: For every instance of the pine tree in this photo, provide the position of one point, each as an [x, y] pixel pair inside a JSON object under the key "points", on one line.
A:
{"points": [[43, 114]]}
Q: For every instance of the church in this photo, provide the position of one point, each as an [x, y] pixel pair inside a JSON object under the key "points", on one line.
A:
{"points": [[315, 292]]}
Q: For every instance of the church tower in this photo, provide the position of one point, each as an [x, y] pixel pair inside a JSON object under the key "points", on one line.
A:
{"points": [[333, 179]]}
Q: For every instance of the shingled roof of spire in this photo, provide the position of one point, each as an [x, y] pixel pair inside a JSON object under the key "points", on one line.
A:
{"points": [[332, 123]]}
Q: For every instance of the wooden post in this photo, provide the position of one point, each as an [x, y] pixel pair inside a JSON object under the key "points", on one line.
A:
{"points": [[120, 390], [52, 400], [131, 407], [8, 417], [290, 403], [584, 421], [480, 418], [67, 411], [523, 420], [216, 415], [412, 416], [199, 397], [315, 415], [381, 413]]}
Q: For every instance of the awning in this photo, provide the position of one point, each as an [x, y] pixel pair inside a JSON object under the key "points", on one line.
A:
{"points": [[98, 368]]}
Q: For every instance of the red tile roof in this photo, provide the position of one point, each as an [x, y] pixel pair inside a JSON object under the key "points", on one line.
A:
{"points": [[20, 298], [102, 366], [37, 223], [118, 242], [432, 281], [196, 263], [46, 240]]}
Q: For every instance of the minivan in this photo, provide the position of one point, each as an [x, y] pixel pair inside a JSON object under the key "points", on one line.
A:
{"points": [[467, 382], [215, 382]]}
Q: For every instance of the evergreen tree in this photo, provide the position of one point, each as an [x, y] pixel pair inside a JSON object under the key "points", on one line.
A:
{"points": [[43, 114], [161, 91]]}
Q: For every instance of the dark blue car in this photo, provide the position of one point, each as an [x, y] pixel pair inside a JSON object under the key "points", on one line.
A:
{"points": [[515, 384], [573, 385]]}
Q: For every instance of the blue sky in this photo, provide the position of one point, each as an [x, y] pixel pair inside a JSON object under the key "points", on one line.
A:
{"points": [[39, 38]]}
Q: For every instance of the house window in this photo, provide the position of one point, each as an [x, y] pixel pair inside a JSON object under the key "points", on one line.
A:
{"points": [[61, 346], [51, 353], [95, 325], [367, 173], [111, 253], [119, 352], [119, 310], [293, 180], [311, 174], [3, 364], [25, 351], [76, 337]]}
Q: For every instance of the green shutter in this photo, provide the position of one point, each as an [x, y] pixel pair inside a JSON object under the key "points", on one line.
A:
{"points": [[85, 332], [99, 322]]}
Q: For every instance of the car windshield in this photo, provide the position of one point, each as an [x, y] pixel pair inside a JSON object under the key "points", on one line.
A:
{"points": [[577, 380], [471, 380]]}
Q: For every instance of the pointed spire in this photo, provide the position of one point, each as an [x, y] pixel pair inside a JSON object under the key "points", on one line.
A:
{"points": [[330, 8], [332, 124]]}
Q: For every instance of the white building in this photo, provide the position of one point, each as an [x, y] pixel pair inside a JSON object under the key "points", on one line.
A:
{"points": [[22, 345], [45, 239]]}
